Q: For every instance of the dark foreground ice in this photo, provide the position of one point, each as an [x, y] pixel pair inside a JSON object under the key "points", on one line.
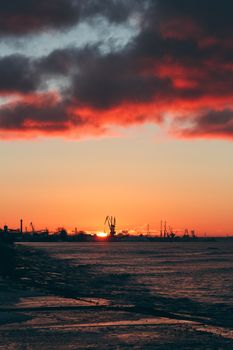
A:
{"points": [[118, 296]]}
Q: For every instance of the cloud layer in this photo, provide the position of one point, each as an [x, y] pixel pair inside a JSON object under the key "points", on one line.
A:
{"points": [[180, 64]]}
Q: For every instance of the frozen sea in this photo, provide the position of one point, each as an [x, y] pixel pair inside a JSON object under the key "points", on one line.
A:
{"points": [[115, 295], [198, 271]]}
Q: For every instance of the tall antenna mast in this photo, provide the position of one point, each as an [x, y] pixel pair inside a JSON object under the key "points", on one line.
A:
{"points": [[161, 228]]}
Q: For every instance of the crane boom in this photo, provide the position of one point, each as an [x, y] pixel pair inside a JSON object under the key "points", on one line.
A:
{"points": [[111, 221], [32, 226]]}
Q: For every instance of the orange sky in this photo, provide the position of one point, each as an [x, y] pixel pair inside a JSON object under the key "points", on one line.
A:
{"points": [[134, 177], [122, 109]]}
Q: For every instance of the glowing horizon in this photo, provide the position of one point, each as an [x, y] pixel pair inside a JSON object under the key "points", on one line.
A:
{"points": [[134, 178], [122, 108]]}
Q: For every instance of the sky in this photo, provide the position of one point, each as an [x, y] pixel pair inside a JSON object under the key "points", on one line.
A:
{"points": [[112, 107]]}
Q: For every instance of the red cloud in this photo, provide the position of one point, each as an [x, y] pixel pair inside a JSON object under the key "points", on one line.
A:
{"points": [[179, 65]]}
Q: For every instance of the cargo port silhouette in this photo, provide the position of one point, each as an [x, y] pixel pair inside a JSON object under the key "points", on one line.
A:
{"points": [[31, 234]]}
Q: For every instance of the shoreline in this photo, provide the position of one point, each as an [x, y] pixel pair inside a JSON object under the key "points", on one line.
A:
{"points": [[51, 294]]}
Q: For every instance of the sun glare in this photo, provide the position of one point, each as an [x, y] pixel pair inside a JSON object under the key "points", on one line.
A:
{"points": [[102, 234]]}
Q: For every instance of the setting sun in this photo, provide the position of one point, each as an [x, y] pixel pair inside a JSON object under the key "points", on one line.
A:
{"points": [[102, 234]]}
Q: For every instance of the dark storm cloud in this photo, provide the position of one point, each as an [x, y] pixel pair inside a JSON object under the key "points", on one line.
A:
{"points": [[44, 114], [19, 17], [213, 16], [116, 11], [211, 123], [17, 75], [134, 74], [107, 81], [22, 16], [41, 113], [181, 62]]}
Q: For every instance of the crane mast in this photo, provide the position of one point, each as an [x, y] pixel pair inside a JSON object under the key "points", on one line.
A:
{"points": [[32, 226], [111, 221]]}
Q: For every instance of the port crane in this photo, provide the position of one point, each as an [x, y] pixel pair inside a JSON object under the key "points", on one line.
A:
{"points": [[34, 231], [32, 226], [111, 221]]}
